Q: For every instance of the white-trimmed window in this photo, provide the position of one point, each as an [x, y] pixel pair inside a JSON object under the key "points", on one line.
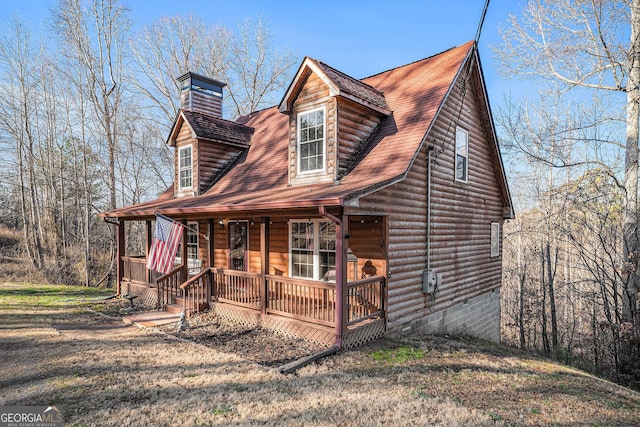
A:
{"points": [[192, 242], [462, 155], [185, 167], [313, 249], [311, 141], [495, 239]]}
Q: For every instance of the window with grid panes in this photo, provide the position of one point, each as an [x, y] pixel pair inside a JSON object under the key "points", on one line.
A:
{"points": [[311, 141], [313, 249]]}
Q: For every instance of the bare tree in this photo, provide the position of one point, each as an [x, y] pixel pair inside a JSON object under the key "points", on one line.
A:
{"points": [[255, 71], [258, 72], [170, 47], [579, 44], [94, 42], [18, 105]]}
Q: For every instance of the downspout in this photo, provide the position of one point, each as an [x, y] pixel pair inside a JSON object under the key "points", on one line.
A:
{"points": [[430, 149], [339, 268]]}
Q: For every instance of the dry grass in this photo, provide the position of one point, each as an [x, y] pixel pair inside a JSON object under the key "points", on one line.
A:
{"points": [[105, 374]]}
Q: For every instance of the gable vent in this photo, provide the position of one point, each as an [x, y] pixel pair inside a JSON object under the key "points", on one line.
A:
{"points": [[463, 86]]}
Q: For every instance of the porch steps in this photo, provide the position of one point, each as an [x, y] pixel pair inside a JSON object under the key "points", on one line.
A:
{"points": [[175, 308], [178, 304], [151, 319]]}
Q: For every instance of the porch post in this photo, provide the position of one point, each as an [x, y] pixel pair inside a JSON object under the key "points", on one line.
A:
{"points": [[342, 266], [341, 272], [147, 248], [119, 255], [211, 246], [264, 261], [185, 261]]}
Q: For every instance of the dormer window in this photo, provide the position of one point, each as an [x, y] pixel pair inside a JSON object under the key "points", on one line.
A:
{"points": [[311, 141], [185, 165]]}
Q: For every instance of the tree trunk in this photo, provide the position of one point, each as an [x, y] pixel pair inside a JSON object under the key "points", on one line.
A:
{"points": [[630, 214], [543, 307], [551, 273]]}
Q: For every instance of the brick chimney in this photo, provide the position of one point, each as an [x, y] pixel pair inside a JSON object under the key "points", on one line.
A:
{"points": [[201, 94]]}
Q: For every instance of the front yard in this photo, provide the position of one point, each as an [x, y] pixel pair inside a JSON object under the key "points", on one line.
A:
{"points": [[55, 351]]}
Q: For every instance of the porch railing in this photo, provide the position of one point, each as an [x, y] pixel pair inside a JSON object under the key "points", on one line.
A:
{"points": [[302, 299], [307, 300], [365, 299], [169, 286], [197, 291], [135, 268], [237, 287]]}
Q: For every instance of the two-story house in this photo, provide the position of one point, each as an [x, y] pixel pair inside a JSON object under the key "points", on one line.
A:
{"points": [[352, 209]]}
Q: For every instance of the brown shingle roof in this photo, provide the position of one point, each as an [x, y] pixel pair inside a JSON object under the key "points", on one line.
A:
{"points": [[210, 127], [353, 87], [414, 93]]}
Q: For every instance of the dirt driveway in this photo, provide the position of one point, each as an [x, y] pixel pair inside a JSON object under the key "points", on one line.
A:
{"points": [[105, 374]]}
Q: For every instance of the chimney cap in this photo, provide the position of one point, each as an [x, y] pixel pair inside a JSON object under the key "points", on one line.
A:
{"points": [[189, 78]]}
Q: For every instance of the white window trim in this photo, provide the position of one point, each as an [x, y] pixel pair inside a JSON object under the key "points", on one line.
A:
{"points": [[455, 157], [190, 230], [317, 259], [495, 239], [194, 229], [180, 169], [324, 141]]}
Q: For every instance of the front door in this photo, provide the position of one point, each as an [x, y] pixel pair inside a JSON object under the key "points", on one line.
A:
{"points": [[238, 245]]}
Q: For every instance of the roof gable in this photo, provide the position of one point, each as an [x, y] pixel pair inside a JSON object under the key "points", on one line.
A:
{"points": [[207, 127], [339, 84]]}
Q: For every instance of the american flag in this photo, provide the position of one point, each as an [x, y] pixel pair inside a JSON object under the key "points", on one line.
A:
{"points": [[166, 239]]}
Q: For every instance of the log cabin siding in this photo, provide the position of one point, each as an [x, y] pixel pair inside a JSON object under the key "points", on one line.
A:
{"points": [[367, 241], [279, 247], [461, 216], [355, 125], [213, 158], [314, 94], [253, 246]]}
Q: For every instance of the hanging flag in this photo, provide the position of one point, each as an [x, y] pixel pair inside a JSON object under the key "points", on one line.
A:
{"points": [[166, 239]]}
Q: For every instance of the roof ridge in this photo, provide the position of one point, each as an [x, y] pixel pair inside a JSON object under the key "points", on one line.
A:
{"points": [[416, 61], [347, 75], [213, 117]]}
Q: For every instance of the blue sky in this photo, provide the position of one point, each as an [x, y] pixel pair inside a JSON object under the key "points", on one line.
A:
{"points": [[359, 38]]}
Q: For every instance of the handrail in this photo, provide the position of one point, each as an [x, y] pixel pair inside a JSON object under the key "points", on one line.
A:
{"points": [[171, 273], [365, 281], [169, 286], [135, 258], [196, 292], [304, 282], [195, 278]]}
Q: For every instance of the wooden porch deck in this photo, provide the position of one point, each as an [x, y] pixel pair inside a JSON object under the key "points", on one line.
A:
{"points": [[297, 307]]}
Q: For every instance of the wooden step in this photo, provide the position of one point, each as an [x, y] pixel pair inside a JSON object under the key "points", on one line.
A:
{"points": [[173, 308], [200, 305]]}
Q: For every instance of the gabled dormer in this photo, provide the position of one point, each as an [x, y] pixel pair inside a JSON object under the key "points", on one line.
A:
{"points": [[205, 144], [331, 117]]}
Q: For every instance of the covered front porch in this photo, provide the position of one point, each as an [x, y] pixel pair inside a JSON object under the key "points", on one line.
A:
{"points": [[248, 279]]}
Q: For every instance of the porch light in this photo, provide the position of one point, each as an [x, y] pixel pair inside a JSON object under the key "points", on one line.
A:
{"points": [[221, 223], [352, 262]]}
